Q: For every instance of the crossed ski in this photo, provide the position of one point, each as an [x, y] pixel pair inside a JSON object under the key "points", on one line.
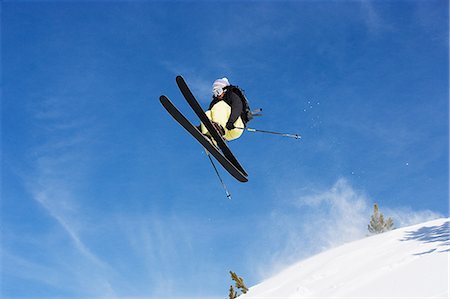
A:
{"points": [[209, 126], [222, 153]]}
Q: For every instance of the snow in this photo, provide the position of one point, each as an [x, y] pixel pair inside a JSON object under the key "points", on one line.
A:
{"points": [[411, 262]]}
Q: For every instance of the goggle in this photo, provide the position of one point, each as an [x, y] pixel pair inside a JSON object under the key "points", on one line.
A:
{"points": [[217, 91]]}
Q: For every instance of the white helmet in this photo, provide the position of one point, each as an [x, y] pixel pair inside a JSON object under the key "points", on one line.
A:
{"points": [[219, 85]]}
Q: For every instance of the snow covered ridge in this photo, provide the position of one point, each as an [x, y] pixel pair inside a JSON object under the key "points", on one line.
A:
{"points": [[410, 262]]}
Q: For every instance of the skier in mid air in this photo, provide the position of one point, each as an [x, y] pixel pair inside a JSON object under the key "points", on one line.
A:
{"points": [[226, 110], [227, 117]]}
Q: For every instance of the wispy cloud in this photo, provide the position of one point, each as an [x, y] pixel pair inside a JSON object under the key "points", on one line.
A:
{"points": [[156, 246], [60, 207], [57, 167], [58, 164], [91, 252], [18, 266], [320, 219]]}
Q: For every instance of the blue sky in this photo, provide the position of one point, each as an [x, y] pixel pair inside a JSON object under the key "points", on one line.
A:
{"points": [[105, 196]]}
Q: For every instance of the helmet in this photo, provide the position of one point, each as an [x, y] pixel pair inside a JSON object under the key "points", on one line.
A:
{"points": [[219, 85]]}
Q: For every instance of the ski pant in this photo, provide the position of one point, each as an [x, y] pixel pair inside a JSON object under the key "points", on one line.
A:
{"points": [[220, 113]]}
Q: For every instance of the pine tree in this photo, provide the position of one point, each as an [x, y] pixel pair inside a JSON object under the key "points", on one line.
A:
{"points": [[377, 223], [233, 294], [239, 284]]}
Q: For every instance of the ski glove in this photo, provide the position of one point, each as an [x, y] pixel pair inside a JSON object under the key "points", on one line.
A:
{"points": [[230, 126]]}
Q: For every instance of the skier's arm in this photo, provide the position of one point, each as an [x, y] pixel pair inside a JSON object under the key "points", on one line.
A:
{"points": [[236, 110]]}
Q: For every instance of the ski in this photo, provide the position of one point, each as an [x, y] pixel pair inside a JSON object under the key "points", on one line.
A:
{"points": [[182, 85], [213, 150]]}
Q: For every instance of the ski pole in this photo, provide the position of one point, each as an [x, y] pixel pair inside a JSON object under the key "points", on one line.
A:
{"points": [[218, 175], [296, 136]]}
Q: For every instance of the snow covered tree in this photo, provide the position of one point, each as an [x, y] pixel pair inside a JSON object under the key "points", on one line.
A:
{"points": [[377, 223]]}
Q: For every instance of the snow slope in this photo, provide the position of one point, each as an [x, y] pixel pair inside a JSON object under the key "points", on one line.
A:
{"points": [[411, 262]]}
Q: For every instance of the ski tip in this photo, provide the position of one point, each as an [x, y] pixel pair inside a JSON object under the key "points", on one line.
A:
{"points": [[179, 78], [163, 98]]}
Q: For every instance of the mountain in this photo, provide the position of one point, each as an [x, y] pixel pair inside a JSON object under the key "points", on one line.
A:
{"points": [[410, 262]]}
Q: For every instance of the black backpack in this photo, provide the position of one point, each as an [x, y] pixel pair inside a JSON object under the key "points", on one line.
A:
{"points": [[247, 114]]}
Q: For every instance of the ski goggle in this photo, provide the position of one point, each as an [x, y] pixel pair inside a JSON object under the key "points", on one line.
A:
{"points": [[217, 91]]}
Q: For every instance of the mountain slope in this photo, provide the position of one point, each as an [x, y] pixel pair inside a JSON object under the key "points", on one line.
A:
{"points": [[411, 262]]}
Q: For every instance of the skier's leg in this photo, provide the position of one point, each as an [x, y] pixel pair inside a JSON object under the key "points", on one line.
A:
{"points": [[204, 130], [220, 113]]}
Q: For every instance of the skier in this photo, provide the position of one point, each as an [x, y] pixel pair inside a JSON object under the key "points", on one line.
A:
{"points": [[225, 111], [230, 111]]}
